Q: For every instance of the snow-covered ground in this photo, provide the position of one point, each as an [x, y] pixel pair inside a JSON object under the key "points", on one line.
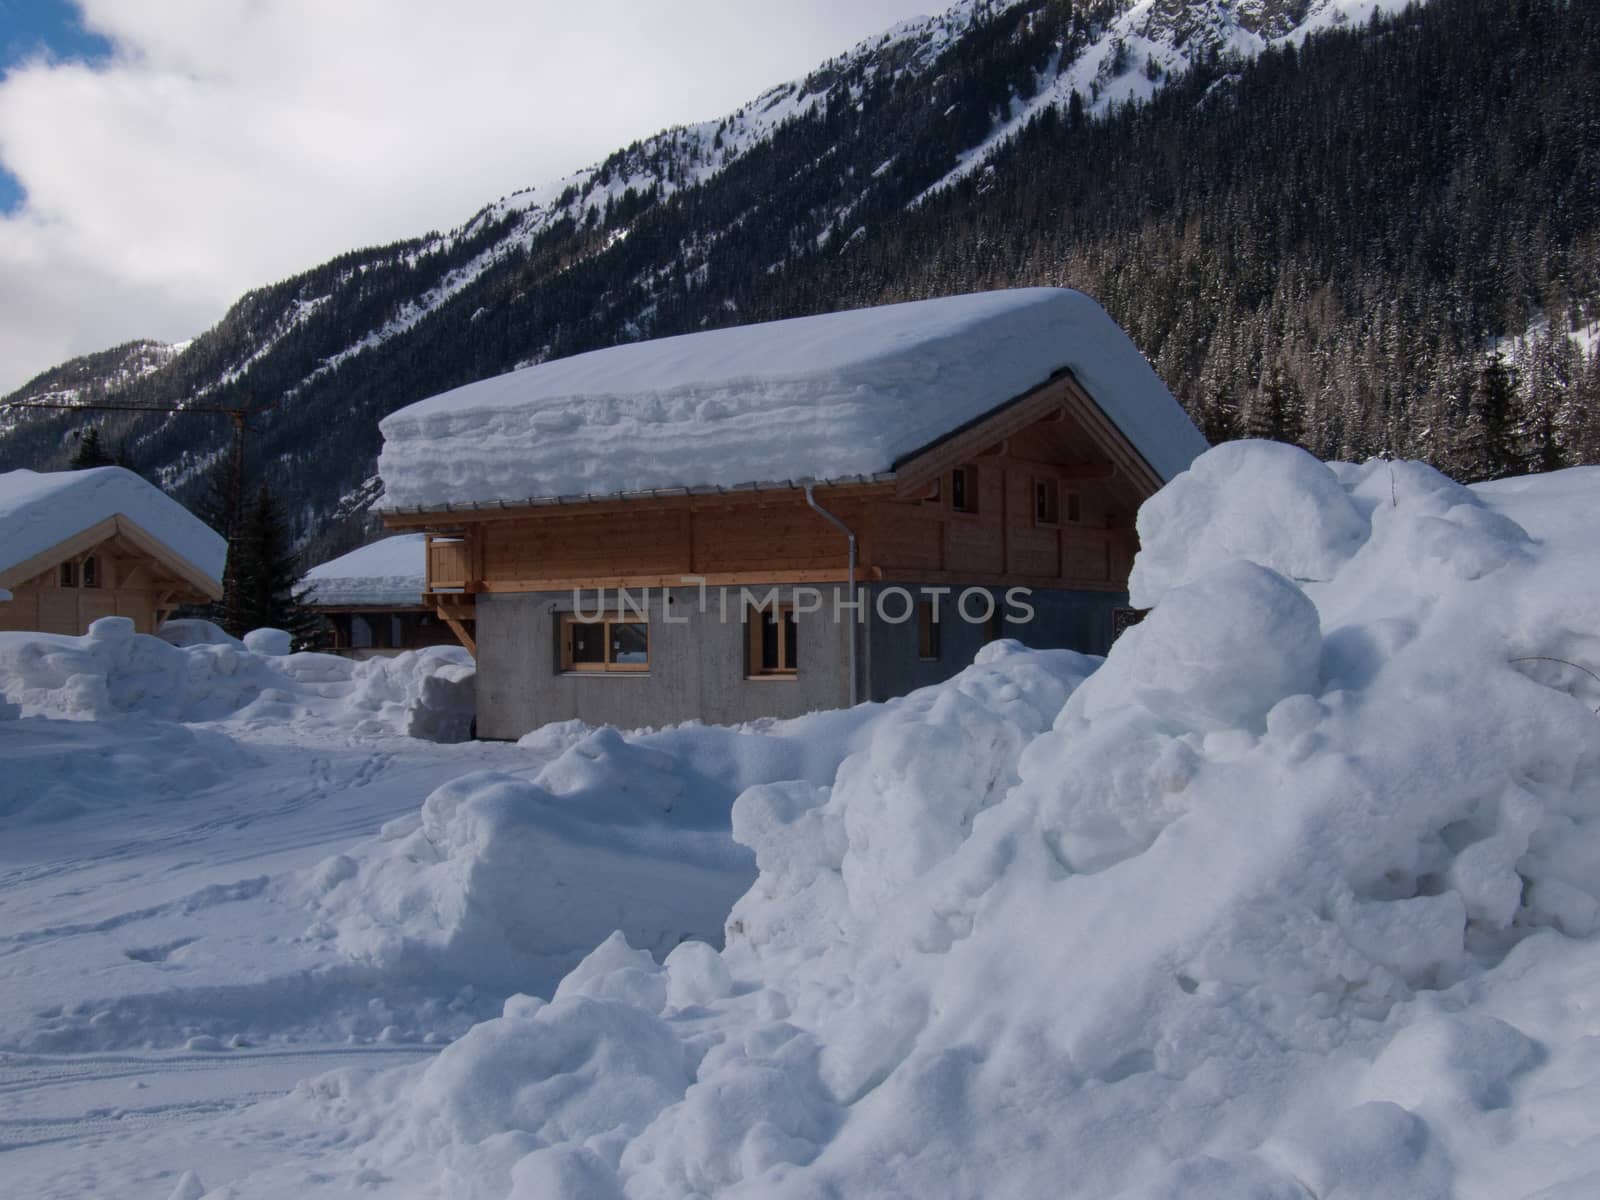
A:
{"points": [[1295, 895]]}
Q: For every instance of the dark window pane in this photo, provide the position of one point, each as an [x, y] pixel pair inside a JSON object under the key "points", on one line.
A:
{"points": [[69, 574], [791, 639], [588, 642], [770, 660], [958, 490], [927, 632], [630, 643]]}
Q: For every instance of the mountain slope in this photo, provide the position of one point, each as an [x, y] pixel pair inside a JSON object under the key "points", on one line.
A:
{"points": [[949, 154]]}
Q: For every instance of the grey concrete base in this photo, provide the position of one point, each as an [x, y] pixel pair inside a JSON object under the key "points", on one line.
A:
{"points": [[698, 668], [1067, 620], [697, 665]]}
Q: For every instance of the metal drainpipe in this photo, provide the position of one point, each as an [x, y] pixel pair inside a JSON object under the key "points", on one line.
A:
{"points": [[855, 617]]}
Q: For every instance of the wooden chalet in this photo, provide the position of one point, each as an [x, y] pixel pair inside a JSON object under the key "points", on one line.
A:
{"points": [[1036, 492], [76, 546]]}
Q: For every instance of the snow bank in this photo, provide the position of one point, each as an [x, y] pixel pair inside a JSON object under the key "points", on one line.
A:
{"points": [[1296, 895], [1267, 502], [506, 882], [113, 672], [39, 511], [391, 571], [824, 397]]}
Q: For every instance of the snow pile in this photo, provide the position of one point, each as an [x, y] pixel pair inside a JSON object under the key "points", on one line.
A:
{"points": [[507, 881], [1295, 895], [39, 511], [113, 672], [1248, 499], [391, 571], [825, 397]]}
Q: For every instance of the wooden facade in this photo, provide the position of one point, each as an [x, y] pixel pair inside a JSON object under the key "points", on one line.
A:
{"points": [[1039, 494], [113, 569]]}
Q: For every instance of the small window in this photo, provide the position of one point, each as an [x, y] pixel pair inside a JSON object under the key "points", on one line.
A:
{"points": [[1047, 502], [604, 643], [964, 489], [91, 572], [69, 574], [1074, 508], [928, 640], [772, 641]]}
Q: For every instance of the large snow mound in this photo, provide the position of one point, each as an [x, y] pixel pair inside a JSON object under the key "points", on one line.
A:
{"points": [[507, 881], [39, 511], [112, 672], [1296, 895], [826, 397], [390, 571]]}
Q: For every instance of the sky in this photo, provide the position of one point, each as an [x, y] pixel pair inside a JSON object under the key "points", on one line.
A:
{"points": [[158, 158]]}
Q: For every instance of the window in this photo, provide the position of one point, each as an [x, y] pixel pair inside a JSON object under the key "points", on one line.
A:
{"points": [[69, 574], [772, 640], [1074, 511], [1047, 502], [928, 640], [91, 572], [964, 489], [608, 643]]}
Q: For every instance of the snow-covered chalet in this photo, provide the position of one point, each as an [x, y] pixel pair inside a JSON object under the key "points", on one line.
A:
{"points": [[370, 600], [776, 518], [76, 546]]}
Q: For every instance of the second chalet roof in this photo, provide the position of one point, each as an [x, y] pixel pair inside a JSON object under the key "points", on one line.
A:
{"points": [[389, 572], [844, 395], [38, 511]]}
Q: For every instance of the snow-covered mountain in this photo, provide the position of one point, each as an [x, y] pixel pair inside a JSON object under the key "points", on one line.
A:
{"points": [[725, 221]]}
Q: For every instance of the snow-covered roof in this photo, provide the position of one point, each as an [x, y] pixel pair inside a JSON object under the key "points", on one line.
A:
{"points": [[39, 511], [838, 396], [390, 571]]}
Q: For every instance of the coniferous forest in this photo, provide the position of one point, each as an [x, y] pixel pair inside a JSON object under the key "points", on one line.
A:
{"points": [[1386, 241]]}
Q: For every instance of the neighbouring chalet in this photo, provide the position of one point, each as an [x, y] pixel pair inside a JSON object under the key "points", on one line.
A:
{"points": [[370, 600], [744, 484], [76, 546]]}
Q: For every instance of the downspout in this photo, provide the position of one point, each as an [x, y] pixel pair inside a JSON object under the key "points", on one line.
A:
{"points": [[855, 616]]}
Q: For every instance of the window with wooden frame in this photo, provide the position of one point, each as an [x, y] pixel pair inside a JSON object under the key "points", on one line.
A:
{"points": [[772, 642], [1046, 502], [964, 489], [929, 645], [69, 574], [1074, 508], [606, 643], [91, 572]]}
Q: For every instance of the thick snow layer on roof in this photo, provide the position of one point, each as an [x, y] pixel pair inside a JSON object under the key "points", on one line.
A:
{"points": [[38, 511], [825, 397], [390, 571]]}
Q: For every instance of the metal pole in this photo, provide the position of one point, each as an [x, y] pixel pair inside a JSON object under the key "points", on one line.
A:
{"points": [[855, 615]]}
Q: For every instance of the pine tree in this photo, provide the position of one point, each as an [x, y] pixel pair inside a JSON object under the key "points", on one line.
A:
{"points": [[1491, 450], [262, 571], [90, 453]]}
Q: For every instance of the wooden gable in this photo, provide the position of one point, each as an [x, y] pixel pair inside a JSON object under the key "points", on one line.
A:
{"points": [[112, 568]]}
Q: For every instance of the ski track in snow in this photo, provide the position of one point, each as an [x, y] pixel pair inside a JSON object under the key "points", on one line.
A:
{"points": [[100, 918]]}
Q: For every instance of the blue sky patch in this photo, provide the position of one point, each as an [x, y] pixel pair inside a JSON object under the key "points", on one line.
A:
{"points": [[28, 27]]}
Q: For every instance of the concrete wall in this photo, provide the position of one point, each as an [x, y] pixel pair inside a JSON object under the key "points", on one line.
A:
{"points": [[697, 665], [1071, 620]]}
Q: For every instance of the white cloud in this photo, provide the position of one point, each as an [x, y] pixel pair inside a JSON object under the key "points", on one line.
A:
{"points": [[229, 143]]}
